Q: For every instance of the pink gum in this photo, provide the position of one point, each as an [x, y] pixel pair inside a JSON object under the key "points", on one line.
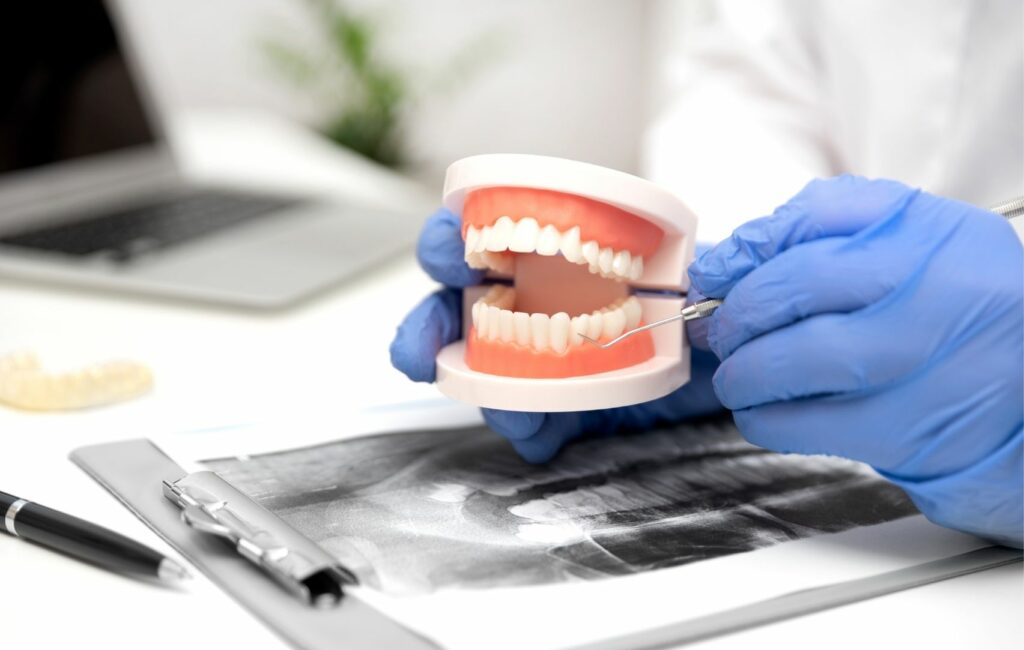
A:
{"points": [[607, 225], [513, 360]]}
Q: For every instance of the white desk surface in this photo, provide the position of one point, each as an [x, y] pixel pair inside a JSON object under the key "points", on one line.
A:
{"points": [[217, 366]]}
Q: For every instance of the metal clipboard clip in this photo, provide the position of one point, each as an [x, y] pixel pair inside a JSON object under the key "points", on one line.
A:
{"points": [[211, 505]]}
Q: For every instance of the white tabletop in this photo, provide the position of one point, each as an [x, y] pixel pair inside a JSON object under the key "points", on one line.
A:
{"points": [[217, 367]]}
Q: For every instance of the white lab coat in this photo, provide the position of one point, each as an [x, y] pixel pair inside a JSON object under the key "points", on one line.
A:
{"points": [[761, 96]]}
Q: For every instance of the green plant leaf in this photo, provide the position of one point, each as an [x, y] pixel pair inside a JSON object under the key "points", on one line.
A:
{"points": [[366, 97], [291, 63]]}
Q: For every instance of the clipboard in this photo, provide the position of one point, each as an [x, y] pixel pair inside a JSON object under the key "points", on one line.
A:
{"points": [[134, 471]]}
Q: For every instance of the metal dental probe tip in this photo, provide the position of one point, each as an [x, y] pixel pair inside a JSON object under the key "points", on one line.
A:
{"points": [[701, 309]]}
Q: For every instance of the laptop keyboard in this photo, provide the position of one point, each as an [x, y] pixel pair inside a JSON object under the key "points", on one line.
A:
{"points": [[128, 233]]}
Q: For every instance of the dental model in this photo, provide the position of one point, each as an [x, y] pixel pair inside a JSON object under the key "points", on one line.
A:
{"points": [[576, 240], [23, 384]]}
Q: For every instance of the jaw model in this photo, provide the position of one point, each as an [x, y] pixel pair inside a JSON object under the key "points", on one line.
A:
{"points": [[577, 241]]}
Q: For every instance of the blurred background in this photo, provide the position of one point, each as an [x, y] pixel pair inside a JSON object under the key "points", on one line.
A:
{"points": [[575, 78], [314, 112]]}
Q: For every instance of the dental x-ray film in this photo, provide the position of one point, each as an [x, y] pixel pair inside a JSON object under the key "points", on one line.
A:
{"points": [[443, 526]]}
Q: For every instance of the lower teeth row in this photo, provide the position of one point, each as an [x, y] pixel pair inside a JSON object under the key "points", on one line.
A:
{"points": [[495, 320]]}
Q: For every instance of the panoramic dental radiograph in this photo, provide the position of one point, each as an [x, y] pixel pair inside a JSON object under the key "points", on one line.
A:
{"points": [[571, 250]]}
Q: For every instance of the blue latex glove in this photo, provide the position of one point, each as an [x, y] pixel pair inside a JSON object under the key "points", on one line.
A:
{"points": [[869, 320], [537, 437]]}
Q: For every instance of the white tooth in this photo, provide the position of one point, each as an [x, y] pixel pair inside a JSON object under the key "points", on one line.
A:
{"points": [[636, 268], [505, 328], [571, 248], [475, 261], [499, 295], [547, 243], [621, 264], [476, 314], [481, 244], [539, 328], [481, 325], [494, 293], [521, 322], [493, 323], [604, 260], [524, 238], [501, 235], [498, 262], [633, 312], [472, 235], [560, 332], [595, 325], [590, 251], [614, 323], [579, 326]]}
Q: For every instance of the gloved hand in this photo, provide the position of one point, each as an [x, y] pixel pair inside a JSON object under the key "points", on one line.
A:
{"points": [[869, 320], [537, 437]]}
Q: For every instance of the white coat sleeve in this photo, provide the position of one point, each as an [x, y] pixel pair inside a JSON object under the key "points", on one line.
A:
{"points": [[743, 127]]}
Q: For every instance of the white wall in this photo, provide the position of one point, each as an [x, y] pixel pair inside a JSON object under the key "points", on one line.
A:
{"points": [[569, 79]]}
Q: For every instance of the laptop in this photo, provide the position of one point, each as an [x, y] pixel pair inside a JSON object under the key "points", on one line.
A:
{"points": [[90, 194]]}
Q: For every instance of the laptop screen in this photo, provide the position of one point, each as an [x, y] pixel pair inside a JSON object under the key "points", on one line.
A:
{"points": [[65, 88]]}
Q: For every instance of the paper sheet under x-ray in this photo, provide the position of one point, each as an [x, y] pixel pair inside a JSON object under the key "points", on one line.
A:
{"points": [[454, 536]]}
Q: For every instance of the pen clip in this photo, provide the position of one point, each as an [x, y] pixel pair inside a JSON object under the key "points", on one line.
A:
{"points": [[211, 505]]}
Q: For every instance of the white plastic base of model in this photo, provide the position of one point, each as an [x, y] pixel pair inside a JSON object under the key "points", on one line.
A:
{"points": [[665, 372], [666, 269], [649, 380]]}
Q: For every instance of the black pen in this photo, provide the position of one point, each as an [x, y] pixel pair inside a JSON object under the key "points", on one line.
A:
{"points": [[85, 541]]}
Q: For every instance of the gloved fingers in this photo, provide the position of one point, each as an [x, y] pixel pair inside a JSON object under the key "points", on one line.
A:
{"points": [[431, 325], [834, 207], [865, 427], [441, 251], [825, 276], [539, 436], [826, 354], [514, 425], [799, 427], [697, 398], [894, 429], [555, 431], [694, 399]]}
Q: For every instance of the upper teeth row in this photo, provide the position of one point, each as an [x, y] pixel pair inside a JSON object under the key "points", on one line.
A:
{"points": [[495, 320], [526, 236]]}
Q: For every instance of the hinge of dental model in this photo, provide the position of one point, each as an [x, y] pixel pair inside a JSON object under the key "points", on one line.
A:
{"points": [[701, 309]]}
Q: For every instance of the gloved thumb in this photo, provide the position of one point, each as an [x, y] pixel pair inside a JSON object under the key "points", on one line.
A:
{"points": [[433, 324]]}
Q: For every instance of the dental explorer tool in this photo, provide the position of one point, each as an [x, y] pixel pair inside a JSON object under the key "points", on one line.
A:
{"points": [[701, 309], [1011, 209]]}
